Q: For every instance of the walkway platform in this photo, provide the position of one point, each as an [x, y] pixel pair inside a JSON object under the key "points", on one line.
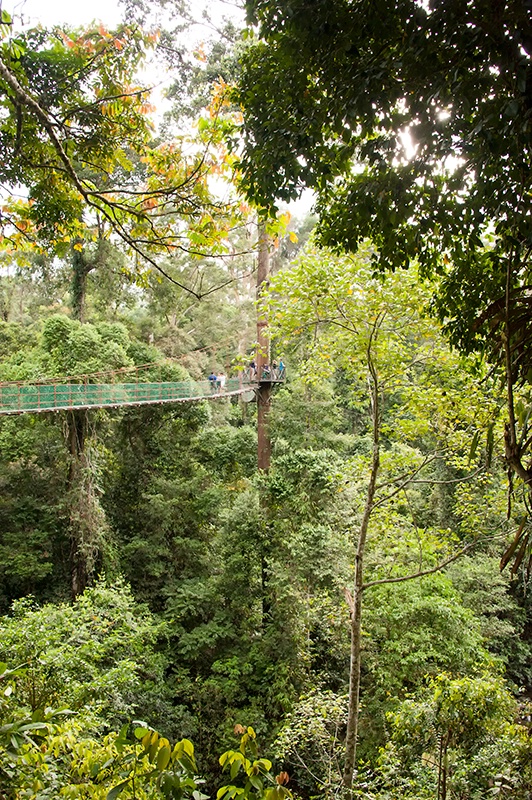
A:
{"points": [[20, 398]]}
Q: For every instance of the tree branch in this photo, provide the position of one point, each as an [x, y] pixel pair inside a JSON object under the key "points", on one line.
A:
{"points": [[97, 199], [421, 573]]}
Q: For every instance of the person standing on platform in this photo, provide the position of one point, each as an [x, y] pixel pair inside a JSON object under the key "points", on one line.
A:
{"points": [[221, 382]]}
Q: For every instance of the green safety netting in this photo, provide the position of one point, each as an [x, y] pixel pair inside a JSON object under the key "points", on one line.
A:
{"points": [[43, 397]]}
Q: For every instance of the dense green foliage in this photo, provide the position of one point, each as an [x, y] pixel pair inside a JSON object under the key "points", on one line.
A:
{"points": [[155, 586], [415, 133], [236, 606], [434, 108]]}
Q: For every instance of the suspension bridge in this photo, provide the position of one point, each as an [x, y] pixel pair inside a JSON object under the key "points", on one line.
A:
{"points": [[130, 386]]}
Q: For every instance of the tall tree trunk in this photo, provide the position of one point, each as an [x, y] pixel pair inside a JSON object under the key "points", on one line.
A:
{"points": [[81, 266], [356, 610], [77, 428], [88, 524], [87, 518], [264, 448], [263, 356], [443, 766], [263, 410]]}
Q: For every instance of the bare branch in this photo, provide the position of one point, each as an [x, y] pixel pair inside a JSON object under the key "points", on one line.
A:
{"points": [[401, 486], [421, 573], [449, 481], [406, 477]]}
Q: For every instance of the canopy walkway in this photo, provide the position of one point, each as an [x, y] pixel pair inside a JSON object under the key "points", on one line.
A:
{"points": [[108, 390]]}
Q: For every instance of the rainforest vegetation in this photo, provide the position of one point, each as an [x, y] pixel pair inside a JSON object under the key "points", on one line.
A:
{"points": [[351, 617]]}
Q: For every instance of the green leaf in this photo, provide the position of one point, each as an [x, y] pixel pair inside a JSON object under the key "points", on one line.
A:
{"points": [[489, 444], [116, 790], [508, 553], [474, 445], [146, 740], [226, 757], [17, 49], [122, 736], [188, 747], [163, 757]]}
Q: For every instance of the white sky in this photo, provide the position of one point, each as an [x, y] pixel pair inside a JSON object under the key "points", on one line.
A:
{"points": [[72, 12], [81, 12]]}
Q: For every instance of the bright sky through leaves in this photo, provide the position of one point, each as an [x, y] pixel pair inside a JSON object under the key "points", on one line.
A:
{"points": [[53, 12]]}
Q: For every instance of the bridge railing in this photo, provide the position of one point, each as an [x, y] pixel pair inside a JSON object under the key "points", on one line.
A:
{"points": [[20, 397]]}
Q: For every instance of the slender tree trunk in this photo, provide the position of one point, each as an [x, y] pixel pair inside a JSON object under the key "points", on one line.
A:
{"points": [[263, 356], [81, 266], [263, 410], [513, 449], [264, 449], [356, 612], [443, 766], [87, 519], [77, 434], [440, 769], [77, 428]]}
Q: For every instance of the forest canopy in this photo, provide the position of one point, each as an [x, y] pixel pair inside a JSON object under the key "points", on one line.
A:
{"points": [[181, 617], [416, 134]]}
